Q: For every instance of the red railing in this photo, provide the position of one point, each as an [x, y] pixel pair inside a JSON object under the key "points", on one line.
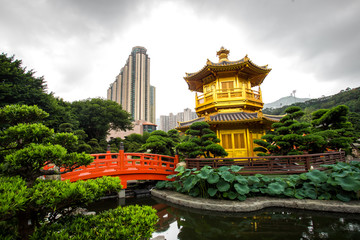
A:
{"points": [[126, 166], [271, 164]]}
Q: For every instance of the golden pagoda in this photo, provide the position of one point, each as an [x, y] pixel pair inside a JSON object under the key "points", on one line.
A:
{"points": [[228, 98]]}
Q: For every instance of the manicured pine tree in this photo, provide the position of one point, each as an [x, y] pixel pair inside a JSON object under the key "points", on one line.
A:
{"points": [[201, 141], [334, 127], [288, 137]]}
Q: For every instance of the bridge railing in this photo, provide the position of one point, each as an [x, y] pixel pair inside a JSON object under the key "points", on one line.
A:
{"points": [[149, 166], [271, 164]]}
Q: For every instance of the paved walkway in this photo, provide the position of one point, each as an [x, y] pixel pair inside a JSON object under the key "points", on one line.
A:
{"points": [[256, 203]]}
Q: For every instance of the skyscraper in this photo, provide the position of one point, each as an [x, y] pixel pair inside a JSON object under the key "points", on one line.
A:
{"points": [[132, 89]]}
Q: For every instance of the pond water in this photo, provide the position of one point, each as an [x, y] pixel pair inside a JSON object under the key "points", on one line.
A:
{"points": [[177, 222]]}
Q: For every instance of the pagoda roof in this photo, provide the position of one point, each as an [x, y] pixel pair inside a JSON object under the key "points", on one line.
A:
{"points": [[235, 117], [255, 73]]}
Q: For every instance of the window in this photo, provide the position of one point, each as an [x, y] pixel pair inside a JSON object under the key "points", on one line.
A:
{"points": [[227, 85], [226, 141], [239, 141]]}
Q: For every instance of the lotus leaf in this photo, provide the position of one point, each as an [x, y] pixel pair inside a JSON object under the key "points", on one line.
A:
{"points": [[266, 179], [193, 169], [213, 178], [348, 183], [343, 197], [204, 173], [317, 176], [303, 176], [223, 168], [240, 179], [310, 193], [205, 167], [169, 185], [186, 173], [227, 176], [275, 188], [259, 175], [356, 175], [242, 189], [190, 182], [223, 186], [325, 196], [232, 195], [235, 168], [212, 191], [338, 174], [194, 192], [253, 179], [300, 194], [180, 169], [289, 192], [160, 184], [177, 186], [171, 176], [241, 197]]}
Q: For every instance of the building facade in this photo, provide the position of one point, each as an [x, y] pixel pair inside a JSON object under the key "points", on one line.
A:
{"points": [[132, 88], [171, 121], [139, 127]]}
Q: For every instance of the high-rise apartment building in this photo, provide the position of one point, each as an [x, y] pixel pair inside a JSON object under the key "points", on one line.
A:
{"points": [[132, 88], [170, 122]]}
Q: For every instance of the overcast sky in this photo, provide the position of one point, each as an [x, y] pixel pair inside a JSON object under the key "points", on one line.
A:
{"points": [[79, 46]]}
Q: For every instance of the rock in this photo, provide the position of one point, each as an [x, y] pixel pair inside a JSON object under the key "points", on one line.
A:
{"points": [[181, 164]]}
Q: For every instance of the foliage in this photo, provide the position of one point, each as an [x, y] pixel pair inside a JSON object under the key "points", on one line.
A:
{"points": [[120, 223], [341, 183], [160, 142], [201, 142], [134, 142], [330, 130], [97, 116], [348, 97], [26, 148], [289, 137], [20, 86], [333, 126]]}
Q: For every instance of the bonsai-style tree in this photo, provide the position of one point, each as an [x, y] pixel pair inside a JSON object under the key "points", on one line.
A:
{"points": [[288, 137], [27, 202], [333, 126], [160, 142], [201, 141]]}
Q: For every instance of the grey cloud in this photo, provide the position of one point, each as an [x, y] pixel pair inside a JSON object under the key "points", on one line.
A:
{"points": [[311, 30]]}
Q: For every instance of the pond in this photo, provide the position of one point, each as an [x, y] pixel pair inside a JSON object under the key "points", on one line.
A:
{"points": [[177, 222]]}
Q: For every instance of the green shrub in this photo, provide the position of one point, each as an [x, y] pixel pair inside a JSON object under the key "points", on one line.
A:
{"points": [[131, 222]]}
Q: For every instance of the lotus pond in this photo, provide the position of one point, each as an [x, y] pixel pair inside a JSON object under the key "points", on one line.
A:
{"points": [[176, 222]]}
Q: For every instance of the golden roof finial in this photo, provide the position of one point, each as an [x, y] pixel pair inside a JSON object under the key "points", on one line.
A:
{"points": [[223, 54]]}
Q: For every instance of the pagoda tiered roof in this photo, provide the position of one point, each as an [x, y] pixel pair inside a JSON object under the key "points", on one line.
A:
{"points": [[234, 117], [244, 67]]}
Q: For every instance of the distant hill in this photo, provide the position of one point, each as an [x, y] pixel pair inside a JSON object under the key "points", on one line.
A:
{"points": [[285, 101], [348, 97]]}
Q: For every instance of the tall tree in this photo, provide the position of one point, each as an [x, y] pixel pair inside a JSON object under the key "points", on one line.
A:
{"points": [[97, 116], [20, 86]]}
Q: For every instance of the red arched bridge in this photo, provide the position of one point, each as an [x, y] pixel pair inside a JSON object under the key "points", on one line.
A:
{"points": [[126, 166]]}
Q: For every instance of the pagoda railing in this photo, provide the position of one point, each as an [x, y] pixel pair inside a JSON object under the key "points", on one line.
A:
{"points": [[271, 164], [226, 94]]}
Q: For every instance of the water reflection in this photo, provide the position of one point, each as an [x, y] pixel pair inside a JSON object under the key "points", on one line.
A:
{"points": [[176, 222]]}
